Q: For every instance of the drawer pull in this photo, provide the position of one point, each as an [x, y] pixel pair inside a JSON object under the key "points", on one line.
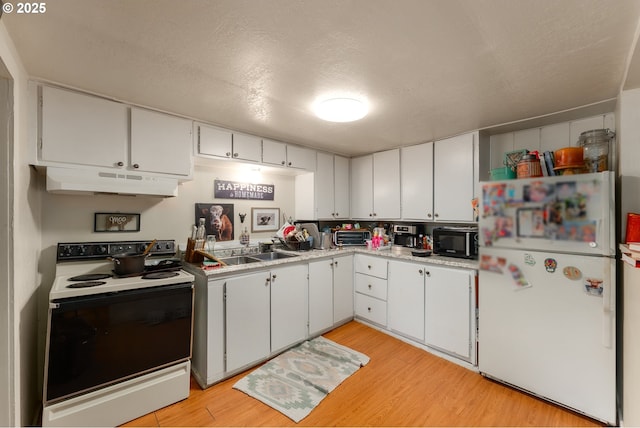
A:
{"points": [[369, 309], [369, 286], [369, 266]]}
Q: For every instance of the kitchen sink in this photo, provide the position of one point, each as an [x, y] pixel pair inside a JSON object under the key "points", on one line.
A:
{"points": [[239, 260], [273, 256]]}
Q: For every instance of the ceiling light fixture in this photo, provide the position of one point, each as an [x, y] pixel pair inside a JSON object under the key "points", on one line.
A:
{"points": [[341, 109]]}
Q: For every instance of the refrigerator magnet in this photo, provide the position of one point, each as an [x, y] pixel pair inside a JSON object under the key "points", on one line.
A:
{"points": [[528, 259], [550, 265], [518, 277], [572, 273], [593, 286]]}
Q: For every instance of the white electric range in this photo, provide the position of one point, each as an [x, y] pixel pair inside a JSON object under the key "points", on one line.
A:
{"points": [[116, 347]]}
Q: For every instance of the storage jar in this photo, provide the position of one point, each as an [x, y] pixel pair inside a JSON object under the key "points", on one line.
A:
{"points": [[595, 144]]}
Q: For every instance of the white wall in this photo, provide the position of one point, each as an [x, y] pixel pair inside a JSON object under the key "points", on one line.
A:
{"points": [[22, 389], [629, 136], [629, 166], [69, 218]]}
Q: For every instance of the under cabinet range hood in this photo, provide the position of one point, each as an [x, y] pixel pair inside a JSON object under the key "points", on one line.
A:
{"points": [[91, 181]]}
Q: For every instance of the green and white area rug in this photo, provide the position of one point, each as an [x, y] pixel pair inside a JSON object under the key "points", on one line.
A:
{"points": [[298, 380]]}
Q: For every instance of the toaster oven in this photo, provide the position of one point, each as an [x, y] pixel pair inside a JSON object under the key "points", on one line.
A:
{"points": [[351, 237]]}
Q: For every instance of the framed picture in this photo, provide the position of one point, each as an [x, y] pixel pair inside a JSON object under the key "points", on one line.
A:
{"points": [[116, 222], [265, 219], [218, 220]]}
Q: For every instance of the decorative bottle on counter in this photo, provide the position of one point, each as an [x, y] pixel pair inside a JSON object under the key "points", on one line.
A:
{"points": [[244, 237]]}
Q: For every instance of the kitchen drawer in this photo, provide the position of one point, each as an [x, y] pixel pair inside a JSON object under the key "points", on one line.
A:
{"points": [[371, 266], [371, 286], [371, 309]]}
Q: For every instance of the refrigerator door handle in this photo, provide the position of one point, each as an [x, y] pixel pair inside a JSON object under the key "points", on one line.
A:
{"points": [[607, 310]]}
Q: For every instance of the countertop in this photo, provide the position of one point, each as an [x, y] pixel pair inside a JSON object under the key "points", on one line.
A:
{"points": [[395, 252]]}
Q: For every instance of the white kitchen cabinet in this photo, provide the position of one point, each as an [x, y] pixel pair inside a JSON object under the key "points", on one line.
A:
{"points": [[342, 289], [79, 129], [362, 186], [330, 293], [160, 143], [274, 152], [375, 185], [405, 302], [301, 158], [450, 310], [332, 186], [371, 289], [320, 296], [222, 143], [416, 177], [342, 187], [207, 361], [386, 184], [371, 265], [289, 308], [453, 178], [281, 154], [82, 129], [247, 319]]}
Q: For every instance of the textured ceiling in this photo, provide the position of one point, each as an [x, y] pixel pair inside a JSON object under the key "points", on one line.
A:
{"points": [[430, 69]]}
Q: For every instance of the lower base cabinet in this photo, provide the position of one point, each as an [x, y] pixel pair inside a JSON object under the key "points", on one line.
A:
{"points": [[247, 319], [406, 299], [450, 311], [289, 311], [330, 293]]}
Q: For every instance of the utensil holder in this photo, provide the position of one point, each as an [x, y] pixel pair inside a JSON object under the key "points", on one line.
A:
{"points": [[191, 255]]}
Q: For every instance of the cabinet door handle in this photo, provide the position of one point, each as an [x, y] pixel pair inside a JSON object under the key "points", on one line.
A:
{"points": [[426, 272], [331, 264], [283, 162], [235, 155], [290, 164], [429, 215], [273, 277], [369, 266], [420, 271], [136, 166], [369, 309], [436, 215], [337, 214], [369, 286], [267, 281], [370, 214], [120, 163]]}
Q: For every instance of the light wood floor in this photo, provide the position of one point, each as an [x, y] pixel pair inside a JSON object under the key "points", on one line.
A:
{"points": [[401, 386]]}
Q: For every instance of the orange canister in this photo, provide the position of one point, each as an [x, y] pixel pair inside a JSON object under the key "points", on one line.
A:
{"points": [[529, 166]]}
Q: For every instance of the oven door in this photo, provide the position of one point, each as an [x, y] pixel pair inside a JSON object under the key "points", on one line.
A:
{"points": [[101, 339]]}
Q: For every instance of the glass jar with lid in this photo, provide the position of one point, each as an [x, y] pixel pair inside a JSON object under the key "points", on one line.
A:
{"points": [[595, 144]]}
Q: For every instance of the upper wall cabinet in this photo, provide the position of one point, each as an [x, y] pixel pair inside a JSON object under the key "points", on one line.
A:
{"points": [[160, 143], [81, 129], [454, 178], [78, 129], [375, 186], [416, 176], [332, 186], [281, 154], [222, 143]]}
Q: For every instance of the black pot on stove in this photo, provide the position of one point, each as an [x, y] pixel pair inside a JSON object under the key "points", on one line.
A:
{"points": [[128, 263]]}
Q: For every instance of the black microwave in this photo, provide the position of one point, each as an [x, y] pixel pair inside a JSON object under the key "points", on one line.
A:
{"points": [[456, 242]]}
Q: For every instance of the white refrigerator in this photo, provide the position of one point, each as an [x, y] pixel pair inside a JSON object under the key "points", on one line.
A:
{"points": [[547, 289]]}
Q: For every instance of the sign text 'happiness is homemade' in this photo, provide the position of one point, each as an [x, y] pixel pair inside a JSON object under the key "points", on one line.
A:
{"points": [[225, 189]]}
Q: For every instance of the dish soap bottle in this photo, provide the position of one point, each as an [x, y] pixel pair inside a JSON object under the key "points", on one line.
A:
{"points": [[244, 237]]}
